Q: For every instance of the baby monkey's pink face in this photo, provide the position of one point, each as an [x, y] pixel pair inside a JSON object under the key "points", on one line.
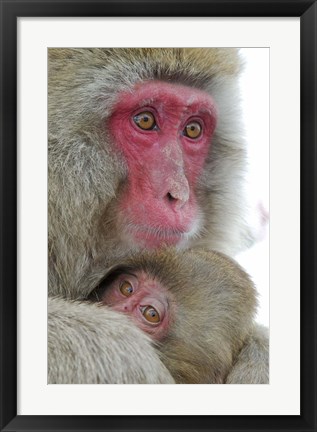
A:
{"points": [[145, 299]]}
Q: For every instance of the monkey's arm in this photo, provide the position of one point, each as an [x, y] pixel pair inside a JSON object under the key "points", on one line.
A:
{"points": [[252, 365], [91, 344]]}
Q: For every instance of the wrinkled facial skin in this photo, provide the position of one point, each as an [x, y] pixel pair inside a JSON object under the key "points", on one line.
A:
{"points": [[144, 299], [164, 132]]}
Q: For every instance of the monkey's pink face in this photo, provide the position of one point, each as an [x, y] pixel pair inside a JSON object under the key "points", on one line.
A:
{"points": [[144, 299], [164, 131]]}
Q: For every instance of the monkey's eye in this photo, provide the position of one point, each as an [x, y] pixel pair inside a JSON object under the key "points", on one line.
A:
{"points": [[193, 130], [151, 314], [145, 120], [126, 288]]}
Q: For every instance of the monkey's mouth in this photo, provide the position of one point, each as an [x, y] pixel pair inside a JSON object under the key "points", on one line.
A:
{"points": [[157, 237], [153, 237]]}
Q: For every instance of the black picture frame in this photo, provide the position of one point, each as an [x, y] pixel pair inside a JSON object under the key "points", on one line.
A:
{"points": [[10, 11]]}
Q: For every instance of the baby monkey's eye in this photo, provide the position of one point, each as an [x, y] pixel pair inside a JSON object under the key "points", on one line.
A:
{"points": [[151, 314], [145, 120], [126, 288], [193, 130]]}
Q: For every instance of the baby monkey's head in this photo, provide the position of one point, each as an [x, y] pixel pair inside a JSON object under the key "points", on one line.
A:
{"points": [[197, 306]]}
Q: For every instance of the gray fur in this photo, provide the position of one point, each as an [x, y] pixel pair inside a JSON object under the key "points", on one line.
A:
{"points": [[252, 364], [79, 351]]}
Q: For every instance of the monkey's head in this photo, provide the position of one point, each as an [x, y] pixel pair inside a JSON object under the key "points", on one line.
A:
{"points": [[197, 306], [145, 151]]}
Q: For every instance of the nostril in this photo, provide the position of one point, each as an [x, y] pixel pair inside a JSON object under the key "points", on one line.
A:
{"points": [[170, 197], [174, 202]]}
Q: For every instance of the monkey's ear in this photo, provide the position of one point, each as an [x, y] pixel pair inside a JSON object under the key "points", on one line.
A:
{"points": [[112, 273]]}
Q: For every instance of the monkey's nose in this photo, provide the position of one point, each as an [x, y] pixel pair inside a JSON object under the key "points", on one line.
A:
{"points": [[123, 306], [177, 192]]}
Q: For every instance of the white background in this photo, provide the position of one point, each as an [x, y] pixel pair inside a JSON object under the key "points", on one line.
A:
{"points": [[255, 91], [282, 395]]}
